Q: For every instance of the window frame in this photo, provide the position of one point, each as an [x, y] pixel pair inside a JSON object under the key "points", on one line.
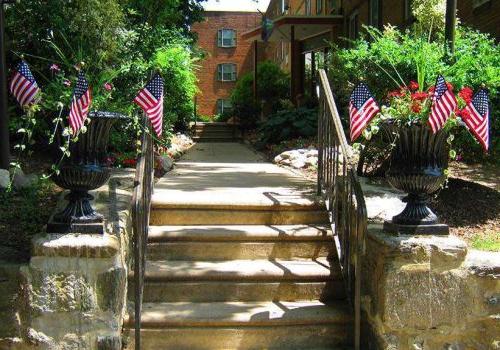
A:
{"points": [[220, 72], [332, 6], [319, 7], [220, 106], [220, 38], [307, 5], [353, 20], [407, 11]]}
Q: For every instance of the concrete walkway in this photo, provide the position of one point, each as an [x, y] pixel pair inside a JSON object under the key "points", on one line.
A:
{"points": [[231, 174]]}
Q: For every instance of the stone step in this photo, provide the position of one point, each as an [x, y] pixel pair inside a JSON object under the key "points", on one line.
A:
{"points": [[319, 270], [164, 216], [239, 250], [169, 198], [199, 139], [240, 233], [217, 291], [246, 314], [315, 337], [245, 325]]}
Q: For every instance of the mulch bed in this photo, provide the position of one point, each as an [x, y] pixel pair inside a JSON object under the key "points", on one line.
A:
{"points": [[469, 208]]}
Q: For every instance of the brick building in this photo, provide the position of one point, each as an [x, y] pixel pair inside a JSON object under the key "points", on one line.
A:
{"points": [[227, 57]]}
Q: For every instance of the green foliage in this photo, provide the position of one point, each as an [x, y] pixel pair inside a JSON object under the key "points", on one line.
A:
{"points": [[392, 58], [490, 241], [272, 87], [119, 44], [289, 124], [24, 214]]}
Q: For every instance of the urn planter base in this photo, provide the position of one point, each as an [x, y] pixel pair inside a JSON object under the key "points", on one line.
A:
{"points": [[78, 216]]}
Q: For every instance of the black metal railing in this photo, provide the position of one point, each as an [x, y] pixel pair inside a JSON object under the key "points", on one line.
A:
{"points": [[141, 204], [339, 185]]}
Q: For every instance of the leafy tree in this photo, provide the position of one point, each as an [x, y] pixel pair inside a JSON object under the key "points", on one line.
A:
{"points": [[272, 88]]}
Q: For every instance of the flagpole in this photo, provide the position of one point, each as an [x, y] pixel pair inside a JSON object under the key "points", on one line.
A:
{"points": [[4, 117]]}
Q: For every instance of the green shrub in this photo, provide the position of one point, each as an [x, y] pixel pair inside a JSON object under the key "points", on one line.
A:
{"points": [[476, 61], [289, 124], [272, 87]]}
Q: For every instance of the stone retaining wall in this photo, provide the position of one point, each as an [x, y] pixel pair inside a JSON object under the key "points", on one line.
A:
{"points": [[426, 292], [73, 292]]}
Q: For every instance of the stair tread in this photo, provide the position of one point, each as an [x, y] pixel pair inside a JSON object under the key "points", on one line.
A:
{"points": [[248, 233], [227, 314], [241, 270], [167, 196]]}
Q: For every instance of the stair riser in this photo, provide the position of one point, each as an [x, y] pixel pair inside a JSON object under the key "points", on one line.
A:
{"points": [[236, 217], [216, 133], [238, 250], [245, 338], [213, 139], [231, 291]]}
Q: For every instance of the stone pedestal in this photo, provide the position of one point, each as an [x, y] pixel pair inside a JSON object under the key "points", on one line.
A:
{"points": [[429, 292], [425, 292], [73, 292]]}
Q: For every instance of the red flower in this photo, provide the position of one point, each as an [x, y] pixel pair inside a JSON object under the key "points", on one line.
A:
{"points": [[416, 107], [419, 96], [466, 94], [413, 85], [131, 162], [431, 90], [108, 87], [450, 86], [464, 114], [396, 93]]}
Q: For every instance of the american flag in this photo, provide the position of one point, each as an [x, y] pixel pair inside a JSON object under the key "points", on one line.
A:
{"points": [[80, 103], [444, 103], [23, 85], [150, 99], [477, 118], [362, 108]]}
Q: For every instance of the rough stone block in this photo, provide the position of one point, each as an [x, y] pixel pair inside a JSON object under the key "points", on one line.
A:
{"points": [[110, 290]]}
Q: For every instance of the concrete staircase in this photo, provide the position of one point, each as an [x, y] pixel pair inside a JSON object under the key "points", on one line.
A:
{"points": [[240, 268], [215, 132]]}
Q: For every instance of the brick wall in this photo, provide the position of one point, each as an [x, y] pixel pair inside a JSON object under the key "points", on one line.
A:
{"points": [[486, 17], [242, 55]]}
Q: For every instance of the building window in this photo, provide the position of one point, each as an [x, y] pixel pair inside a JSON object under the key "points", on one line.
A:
{"points": [[319, 6], [408, 15], [375, 13], [226, 38], [308, 7], [226, 72], [224, 106], [353, 26]]}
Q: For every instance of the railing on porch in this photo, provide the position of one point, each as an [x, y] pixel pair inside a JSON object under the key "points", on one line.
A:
{"points": [[141, 204], [341, 190]]}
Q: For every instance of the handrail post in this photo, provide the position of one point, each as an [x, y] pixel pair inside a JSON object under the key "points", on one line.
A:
{"points": [[343, 195], [141, 205]]}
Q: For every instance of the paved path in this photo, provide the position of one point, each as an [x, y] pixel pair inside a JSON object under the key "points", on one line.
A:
{"points": [[232, 174]]}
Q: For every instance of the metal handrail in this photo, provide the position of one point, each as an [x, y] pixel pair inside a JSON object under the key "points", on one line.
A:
{"points": [[339, 186], [141, 205]]}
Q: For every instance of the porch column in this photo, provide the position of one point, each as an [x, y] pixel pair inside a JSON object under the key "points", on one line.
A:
{"points": [[255, 60], [313, 74], [293, 64], [297, 66]]}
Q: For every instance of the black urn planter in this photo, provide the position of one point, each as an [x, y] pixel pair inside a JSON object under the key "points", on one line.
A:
{"points": [[84, 170], [417, 167]]}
